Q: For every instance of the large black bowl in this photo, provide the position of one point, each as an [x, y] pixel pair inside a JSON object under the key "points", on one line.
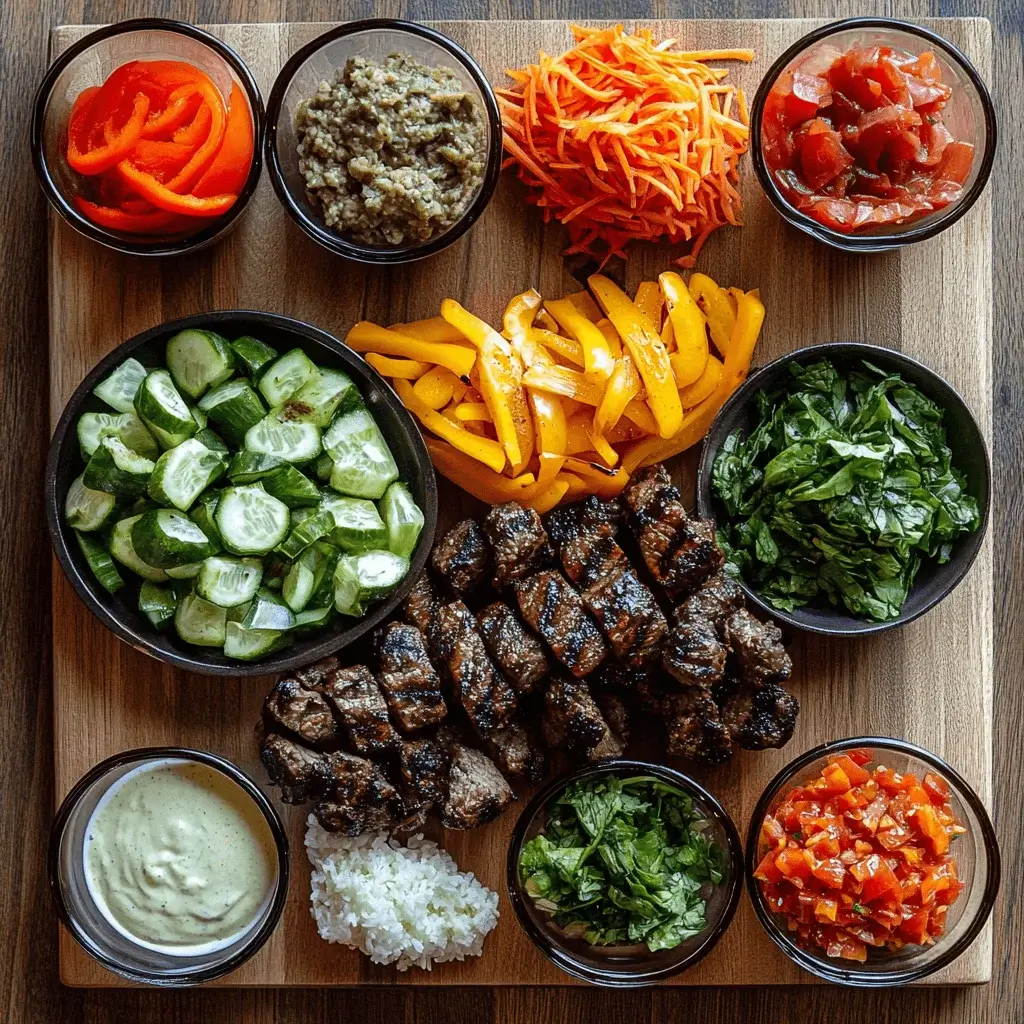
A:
{"points": [[934, 582], [119, 613]]}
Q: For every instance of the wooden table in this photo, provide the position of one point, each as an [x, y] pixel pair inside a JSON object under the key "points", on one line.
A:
{"points": [[28, 983]]}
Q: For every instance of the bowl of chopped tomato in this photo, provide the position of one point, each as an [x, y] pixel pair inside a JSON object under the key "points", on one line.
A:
{"points": [[870, 134], [871, 862], [146, 137]]}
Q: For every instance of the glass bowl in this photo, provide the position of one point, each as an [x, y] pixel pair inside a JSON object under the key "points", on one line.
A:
{"points": [[634, 967], [316, 62], [977, 862], [87, 63], [969, 115], [90, 927]]}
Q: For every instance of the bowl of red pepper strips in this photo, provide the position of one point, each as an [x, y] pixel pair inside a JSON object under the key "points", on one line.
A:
{"points": [[146, 137], [871, 862]]}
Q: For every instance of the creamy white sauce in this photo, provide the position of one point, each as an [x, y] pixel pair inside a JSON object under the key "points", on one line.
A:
{"points": [[178, 858]]}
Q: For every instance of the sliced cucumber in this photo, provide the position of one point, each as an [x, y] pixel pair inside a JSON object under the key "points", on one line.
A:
{"points": [[199, 416], [157, 603], [199, 622], [404, 518], [204, 516], [234, 407], [313, 619], [183, 473], [363, 465], [163, 410], [295, 489], [285, 375], [208, 439], [268, 611], [229, 581], [299, 582], [189, 571], [359, 580], [199, 360], [358, 526], [166, 538], [122, 548], [323, 583], [126, 426], [321, 398], [293, 442], [86, 509], [116, 469], [323, 467], [119, 389], [250, 521], [250, 644], [312, 528], [254, 355], [247, 467], [100, 562]]}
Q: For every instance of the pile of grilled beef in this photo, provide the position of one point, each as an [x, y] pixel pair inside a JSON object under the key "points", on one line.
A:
{"points": [[528, 637]]}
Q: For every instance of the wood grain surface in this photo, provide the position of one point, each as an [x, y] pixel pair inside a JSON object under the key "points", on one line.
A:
{"points": [[28, 969], [929, 682]]}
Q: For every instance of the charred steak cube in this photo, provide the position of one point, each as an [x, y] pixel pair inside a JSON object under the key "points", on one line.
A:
{"points": [[572, 721], [693, 655], [758, 648], [714, 602], [462, 557], [360, 708], [407, 678], [518, 540], [762, 716], [359, 798], [420, 604], [517, 753], [300, 772], [292, 708], [311, 676], [615, 713], [695, 727], [425, 764], [477, 791], [515, 650]]}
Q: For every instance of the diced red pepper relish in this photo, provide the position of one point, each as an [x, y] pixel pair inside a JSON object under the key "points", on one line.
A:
{"points": [[856, 141], [858, 857]]}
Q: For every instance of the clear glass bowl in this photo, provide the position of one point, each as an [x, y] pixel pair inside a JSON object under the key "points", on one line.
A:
{"points": [[316, 62], [977, 862], [969, 115], [89, 62], [91, 929], [635, 967]]}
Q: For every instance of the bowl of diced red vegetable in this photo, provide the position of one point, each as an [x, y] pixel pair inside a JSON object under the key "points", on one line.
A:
{"points": [[870, 134], [871, 862], [146, 137]]}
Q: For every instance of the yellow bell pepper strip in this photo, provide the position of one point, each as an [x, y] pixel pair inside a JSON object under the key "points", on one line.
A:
{"points": [[638, 412], [367, 337], [407, 369], [648, 300], [597, 357], [546, 321], [668, 335], [119, 142], [624, 432], [483, 449], [546, 501], [607, 328], [517, 323], [689, 329], [577, 437], [475, 478], [578, 487], [695, 393], [473, 411], [435, 328], [715, 305], [436, 387], [622, 387], [163, 197], [560, 380], [568, 348], [549, 418], [647, 350], [585, 303], [608, 455], [605, 483]]}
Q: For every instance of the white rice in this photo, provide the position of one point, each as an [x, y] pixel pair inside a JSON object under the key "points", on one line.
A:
{"points": [[404, 905]]}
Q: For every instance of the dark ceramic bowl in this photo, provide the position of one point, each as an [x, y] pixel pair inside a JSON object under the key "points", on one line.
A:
{"points": [[934, 582], [635, 967], [118, 612]]}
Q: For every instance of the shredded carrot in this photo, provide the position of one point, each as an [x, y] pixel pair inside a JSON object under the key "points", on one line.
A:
{"points": [[644, 140]]}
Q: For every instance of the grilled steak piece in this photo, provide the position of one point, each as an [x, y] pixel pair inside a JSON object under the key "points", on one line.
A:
{"points": [[482, 690], [301, 773], [359, 798], [615, 713], [420, 604], [680, 553], [407, 679], [695, 727], [762, 716], [758, 648], [310, 676], [693, 655], [477, 791], [360, 708], [554, 610], [291, 708], [516, 651], [424, 764], [572, 721], [462, 557], [714, 602], [518, 541], [516, 752]]}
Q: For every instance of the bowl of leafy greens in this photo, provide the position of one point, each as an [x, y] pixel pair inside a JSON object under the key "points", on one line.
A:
{"points": [[851, 488], [624, 873]]}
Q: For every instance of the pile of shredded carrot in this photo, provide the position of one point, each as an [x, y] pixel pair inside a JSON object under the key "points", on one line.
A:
{"points": [[622, 139]]}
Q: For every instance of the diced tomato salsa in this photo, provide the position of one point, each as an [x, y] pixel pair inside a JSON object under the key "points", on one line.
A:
{"points": [[856, 141], [860, 857]]}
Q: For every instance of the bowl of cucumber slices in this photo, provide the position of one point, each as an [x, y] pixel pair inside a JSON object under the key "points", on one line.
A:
{"points": [[238, 493]]}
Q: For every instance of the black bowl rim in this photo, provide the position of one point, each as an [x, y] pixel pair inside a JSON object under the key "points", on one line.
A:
{"points": [[335, 242], [742, 395], [90, 592], [56, 198], [233, 772], [875, 242], [549, 945], [852, 976]]}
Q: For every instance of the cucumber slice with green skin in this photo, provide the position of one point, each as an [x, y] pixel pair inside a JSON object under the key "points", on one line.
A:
{"points": [[119, 389], [234, 407], [247, 467], [250, 521], [167, 538], [208, 439], [254, 355], [404, 519], [93, 427], [285, 375], [321, 398], [323, 467], [293, 442], [86, 509], [99, 561], [298, 584], [164, 411], [309, 530], [199, 360], [184, 572], [323, 584], [363, 464], [157, 603], [295, 489], [229, 581], [204, 516], [199, 622], [250, 644], [122, 548], [199, 416], [183, 473], [116, 469], [359, 580], [313, 619], [268, 611], [358, 526]]}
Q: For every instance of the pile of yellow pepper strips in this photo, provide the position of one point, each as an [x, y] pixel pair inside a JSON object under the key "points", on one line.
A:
{"points": [[574, 394]]}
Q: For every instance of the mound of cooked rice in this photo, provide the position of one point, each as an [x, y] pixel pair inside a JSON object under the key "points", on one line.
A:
{"points": [[403, 905]]}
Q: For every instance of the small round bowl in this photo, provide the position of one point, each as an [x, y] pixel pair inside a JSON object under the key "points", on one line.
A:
{"points": [[977, 861], [969, 115], [118, 612], [626, 969], [316, 62], [88, 62], [86, 922], [970, 455]]}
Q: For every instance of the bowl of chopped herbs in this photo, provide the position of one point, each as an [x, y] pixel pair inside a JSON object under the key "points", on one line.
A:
{"points": [[851, 487], [624, 873]]}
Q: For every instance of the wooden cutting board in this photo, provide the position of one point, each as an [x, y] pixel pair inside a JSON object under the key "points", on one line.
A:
{"points": [[930, 682]]}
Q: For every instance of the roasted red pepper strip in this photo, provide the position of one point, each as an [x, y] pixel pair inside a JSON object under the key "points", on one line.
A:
{"points": [[163, 198], [204, 155], [119, 141], [181, 106], [230, 166], [155, 222]]}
